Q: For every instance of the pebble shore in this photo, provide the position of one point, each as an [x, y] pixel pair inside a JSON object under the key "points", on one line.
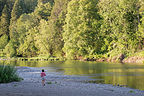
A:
{"points": [[60, 85]]}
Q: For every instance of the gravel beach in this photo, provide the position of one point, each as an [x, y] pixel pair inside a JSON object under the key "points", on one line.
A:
{"points": [[60, 85]]}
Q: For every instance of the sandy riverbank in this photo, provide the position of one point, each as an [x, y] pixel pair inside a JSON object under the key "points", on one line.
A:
{"points": [[60, 85]]}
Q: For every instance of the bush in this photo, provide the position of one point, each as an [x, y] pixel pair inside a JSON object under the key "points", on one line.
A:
{"points": [[8, 74]]}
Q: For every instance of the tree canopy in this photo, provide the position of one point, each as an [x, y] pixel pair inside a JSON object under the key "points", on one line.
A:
{"points": [[71, 28]]}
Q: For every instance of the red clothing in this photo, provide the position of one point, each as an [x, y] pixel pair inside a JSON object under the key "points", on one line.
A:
{"points": [[43, 74]]}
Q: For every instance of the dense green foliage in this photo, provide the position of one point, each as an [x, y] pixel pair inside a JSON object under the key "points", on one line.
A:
{"points": [[120, 25], [71, 28], [82, 29], [8, 74]]}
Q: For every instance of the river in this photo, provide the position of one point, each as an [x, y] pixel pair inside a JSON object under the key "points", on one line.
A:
{"points": [[124, 75]]}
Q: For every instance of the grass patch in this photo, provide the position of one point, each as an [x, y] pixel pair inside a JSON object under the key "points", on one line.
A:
{"points": [[49, 82], [8, 74], [131, 91]]}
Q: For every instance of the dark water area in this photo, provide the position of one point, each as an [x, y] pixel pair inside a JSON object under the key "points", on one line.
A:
{"points": [[124, 75]]}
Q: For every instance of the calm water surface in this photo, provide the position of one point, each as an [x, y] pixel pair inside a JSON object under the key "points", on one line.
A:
{"points": [[129, 75]]}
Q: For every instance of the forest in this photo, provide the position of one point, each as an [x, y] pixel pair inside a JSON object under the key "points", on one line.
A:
{"points": [[71, 28]]}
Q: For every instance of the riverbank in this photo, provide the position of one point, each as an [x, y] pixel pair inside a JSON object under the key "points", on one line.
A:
{"points": [[121, 58], [60, 85]]}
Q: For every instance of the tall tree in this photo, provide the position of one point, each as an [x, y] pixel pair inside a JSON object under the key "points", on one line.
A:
{"points": [[4, 26], [140, 32], [57, 21], [51, 31], [120, 24], [43, 39], [17, 11], [81, 31], [28, 47], [25, 32]]}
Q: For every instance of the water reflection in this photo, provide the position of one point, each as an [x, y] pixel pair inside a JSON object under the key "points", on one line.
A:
{"points": [[116, 74]]}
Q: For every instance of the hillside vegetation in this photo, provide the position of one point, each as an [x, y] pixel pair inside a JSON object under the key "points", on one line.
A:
{"points": [[74, 29]]}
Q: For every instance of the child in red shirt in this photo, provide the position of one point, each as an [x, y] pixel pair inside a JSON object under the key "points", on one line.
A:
{"points": [[43, 77]]}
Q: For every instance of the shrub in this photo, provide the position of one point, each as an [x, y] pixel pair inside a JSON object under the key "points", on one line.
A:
{"points": [[8, 74]]}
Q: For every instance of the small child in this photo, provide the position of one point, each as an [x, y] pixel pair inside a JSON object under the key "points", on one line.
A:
{"points": [[43, 77]]}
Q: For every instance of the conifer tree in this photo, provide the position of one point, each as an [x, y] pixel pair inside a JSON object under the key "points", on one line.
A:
{"points": [[4, 26], [140, 32], [55, 24], [17, 11], [120, 23], [81, 31], [43, 11], [25, 26]]}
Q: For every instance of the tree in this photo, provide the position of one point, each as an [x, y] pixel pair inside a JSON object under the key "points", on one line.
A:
{"points": [[4, 26], [81, 31], [49, 37], [17, 11], [43, 39], [43, 11], [140, 32], [28, 48], [120, 23], [55, 24], [25, 34]]}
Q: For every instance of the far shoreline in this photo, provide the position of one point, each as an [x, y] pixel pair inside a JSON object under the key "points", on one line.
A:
{"points": [[116, 59]]}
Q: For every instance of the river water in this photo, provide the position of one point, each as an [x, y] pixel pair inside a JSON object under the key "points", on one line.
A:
{"points": [[125, 75]]}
